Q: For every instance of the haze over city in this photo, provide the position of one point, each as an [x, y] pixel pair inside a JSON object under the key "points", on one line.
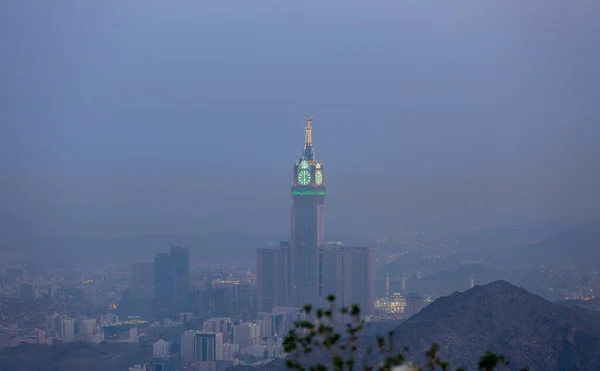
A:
{"points": [[179, 179], [124, 119]]}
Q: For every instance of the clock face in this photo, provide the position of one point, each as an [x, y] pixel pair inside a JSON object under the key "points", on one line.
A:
{"points": [[304, 165], [319, 177], [304, 177]]}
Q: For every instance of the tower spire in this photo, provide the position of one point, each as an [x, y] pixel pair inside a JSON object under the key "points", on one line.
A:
{"points": [[308, 140], [309, 153]]}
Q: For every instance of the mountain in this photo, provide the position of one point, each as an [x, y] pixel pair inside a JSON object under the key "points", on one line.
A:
{"points": [[577, 246], [501, 318], [509, 320], [73, 356]]}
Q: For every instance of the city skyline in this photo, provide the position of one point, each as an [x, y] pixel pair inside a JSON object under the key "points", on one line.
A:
{"points": [[180, 180]]}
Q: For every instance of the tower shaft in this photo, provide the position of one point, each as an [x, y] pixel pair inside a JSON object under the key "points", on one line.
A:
{"points": [[307, 222]]}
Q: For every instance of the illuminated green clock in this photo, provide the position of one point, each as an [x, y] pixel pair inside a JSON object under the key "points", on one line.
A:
{"points": [[304, 165], [304, 177], [319, 177]]}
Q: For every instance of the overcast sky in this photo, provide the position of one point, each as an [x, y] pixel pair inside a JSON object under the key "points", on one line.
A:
{"points": [[134, 117]]}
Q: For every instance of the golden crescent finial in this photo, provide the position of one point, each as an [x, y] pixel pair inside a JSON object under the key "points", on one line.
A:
{"points": [[308, 120], [308, 140]]}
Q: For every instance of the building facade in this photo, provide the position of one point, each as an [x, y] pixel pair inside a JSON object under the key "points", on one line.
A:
{"points": [[230, 297], [307, 221], [208, 349], [349, 274], [273, 277], [306, 270], [172, 281], [142, 277]]}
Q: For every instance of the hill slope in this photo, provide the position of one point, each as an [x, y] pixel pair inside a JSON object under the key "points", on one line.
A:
{"points": [[577, 246], [501, 318], [506, 319]]}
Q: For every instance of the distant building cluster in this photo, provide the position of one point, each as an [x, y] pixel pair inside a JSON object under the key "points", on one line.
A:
{"points": [[220, 343], [206, 319]]}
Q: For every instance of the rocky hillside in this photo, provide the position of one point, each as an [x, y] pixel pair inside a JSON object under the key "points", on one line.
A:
{"points": [[504, 319]]}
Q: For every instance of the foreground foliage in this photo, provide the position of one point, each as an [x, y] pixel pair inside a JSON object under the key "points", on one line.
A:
{"points": [[316, 335]]}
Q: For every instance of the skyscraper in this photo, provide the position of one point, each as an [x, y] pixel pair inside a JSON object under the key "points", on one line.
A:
{"points": [[161, 348], [349, 274], [67, 329], [172, 280], [307, 212], [360, 261], [230, 297], [273, 277], [223, 325], [208, 349], [187, 350], [142, 277]]}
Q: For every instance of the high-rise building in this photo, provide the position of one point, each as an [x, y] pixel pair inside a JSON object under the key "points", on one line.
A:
{"points": [[246, 334], [142, 277], [273, 284], [181, 278], [307, 223], [272, 325], [67, 329], [223, 325], [230, 350], [361, 263], [161, 348], [349, 274], [230, 297], [199, 302], [85, 329], [172, 280], [186, 349], [208, 349]]}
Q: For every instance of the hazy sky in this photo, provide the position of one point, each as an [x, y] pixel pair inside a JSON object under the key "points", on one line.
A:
{"points": [[130, 117]]}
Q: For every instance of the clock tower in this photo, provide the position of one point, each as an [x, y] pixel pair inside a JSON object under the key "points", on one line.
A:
{"points": [[308, 195]]}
